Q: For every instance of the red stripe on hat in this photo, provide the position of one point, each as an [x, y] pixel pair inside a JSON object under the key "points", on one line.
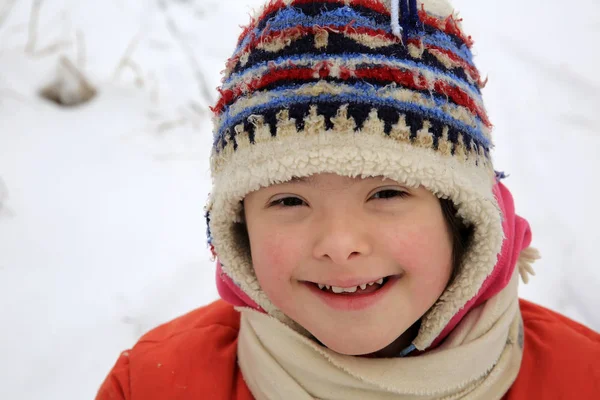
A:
{"points": [[402, 77], [459, 96], [349, 29], [447, 25], [471, 70], [303, 31]]}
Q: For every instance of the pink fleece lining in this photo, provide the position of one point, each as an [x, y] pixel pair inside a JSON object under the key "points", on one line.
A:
{"points": [[517, 237], [231, 293]]}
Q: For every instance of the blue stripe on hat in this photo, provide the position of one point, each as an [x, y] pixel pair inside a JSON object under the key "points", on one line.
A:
{"points": [[373, 101]]}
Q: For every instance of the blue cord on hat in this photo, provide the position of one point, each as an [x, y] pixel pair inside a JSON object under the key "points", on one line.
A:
{"points": [[407, 10]]}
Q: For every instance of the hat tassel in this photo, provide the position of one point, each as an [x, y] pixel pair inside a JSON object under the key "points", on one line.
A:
{"points": [[527, 257], [405, 16]]}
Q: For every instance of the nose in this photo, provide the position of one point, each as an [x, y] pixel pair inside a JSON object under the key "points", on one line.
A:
{"points": [[341, 236]]}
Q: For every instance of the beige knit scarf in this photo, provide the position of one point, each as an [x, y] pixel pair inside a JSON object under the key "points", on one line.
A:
{"points": [[479, 360]]}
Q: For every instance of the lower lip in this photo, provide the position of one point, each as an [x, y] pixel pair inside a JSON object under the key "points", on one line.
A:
{"points": [[354, 302]]}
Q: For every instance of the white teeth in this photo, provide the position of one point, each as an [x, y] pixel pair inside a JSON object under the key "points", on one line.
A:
{"points": [[379, 282], [337, 289]]}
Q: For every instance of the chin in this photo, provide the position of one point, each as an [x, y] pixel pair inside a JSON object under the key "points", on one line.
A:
{"points": [[357, 346]]}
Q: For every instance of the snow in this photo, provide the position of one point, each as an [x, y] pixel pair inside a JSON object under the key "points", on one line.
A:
{"points": [[102, 234]]}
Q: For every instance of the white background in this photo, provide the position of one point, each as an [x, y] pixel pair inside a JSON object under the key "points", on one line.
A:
{"points": [[102, 235]]}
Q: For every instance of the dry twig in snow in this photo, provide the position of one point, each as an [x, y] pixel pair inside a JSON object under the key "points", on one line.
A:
{"points": [[126, 61], [70, 88], [51, 49], [4, 210], [33, 26], [5, 11], [9, 93], [80, 55], [188, 52]]}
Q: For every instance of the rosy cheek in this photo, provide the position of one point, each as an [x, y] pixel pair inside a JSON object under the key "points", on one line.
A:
{"points": [[272, 260], [423, 253]]}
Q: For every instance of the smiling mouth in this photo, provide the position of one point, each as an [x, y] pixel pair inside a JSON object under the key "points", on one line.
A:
{"points": [[365, 288], [354, 298]]}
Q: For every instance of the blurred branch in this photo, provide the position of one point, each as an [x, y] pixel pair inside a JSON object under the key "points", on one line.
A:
{"points": [[3, 192], [80, 52], [166, 126], [34, 28], [5, 11], [127, 61], [70, 87], [188, 52], [11, 94], [51, 49], [7, 92], [198, 109], [33, 25], [154, 89], [4, 210]]}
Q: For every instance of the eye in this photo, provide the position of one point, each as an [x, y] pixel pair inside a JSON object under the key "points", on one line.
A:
{"points": [[389, 194], [287, 202]]}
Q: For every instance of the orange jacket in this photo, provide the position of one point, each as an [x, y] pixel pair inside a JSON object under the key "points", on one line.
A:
{"points": [[194, 357]]}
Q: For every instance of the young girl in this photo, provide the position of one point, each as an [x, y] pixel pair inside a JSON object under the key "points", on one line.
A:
{"points": [[366, 248]]}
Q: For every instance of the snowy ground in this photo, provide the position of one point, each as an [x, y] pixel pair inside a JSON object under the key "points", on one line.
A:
{"points": [[101, 207]]}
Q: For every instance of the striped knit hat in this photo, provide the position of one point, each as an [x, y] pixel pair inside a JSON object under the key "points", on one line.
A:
{"points": [[356, 88]]}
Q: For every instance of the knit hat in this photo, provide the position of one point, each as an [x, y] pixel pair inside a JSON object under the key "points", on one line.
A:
{"points": [[358, 88]]}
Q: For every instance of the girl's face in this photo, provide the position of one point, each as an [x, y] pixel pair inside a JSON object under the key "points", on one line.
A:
{"points": [[346, 233]]}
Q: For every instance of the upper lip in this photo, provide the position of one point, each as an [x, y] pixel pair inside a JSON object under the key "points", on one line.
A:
{"points": [[349, 282]]}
